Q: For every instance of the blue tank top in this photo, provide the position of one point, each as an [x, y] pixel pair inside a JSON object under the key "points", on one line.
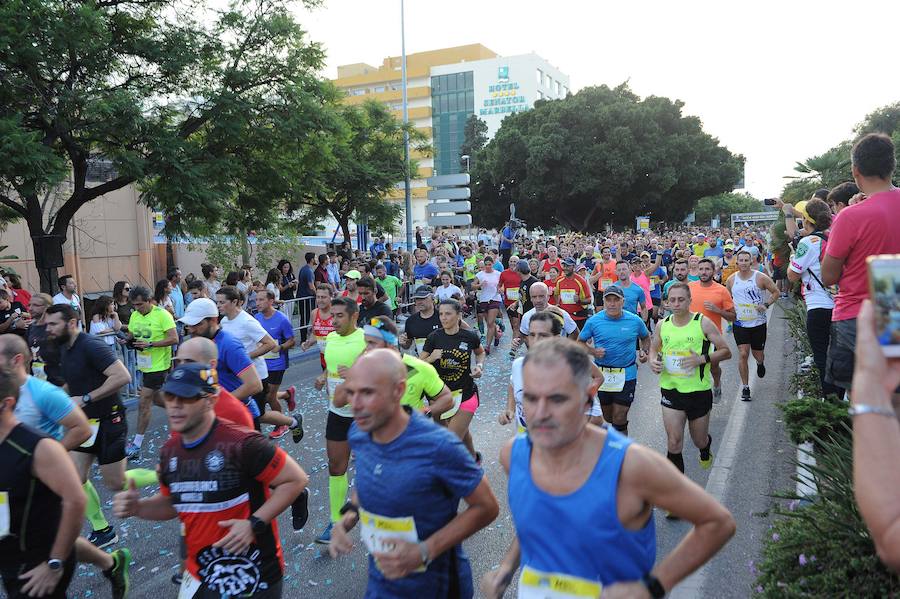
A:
{"points": [[578, 534]]}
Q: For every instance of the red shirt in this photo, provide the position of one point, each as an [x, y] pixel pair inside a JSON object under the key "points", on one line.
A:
{"points": [[547, 265], [22, 296], [510, 281], [228, 407], [569, 294], [859, 231]]}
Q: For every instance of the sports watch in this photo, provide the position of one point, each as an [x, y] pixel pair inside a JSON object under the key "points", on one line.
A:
{"points": [[654, 586], [54, 564], [257, 525], [85, 399]]}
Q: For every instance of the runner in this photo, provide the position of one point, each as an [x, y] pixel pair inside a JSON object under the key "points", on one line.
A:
{"points": [[680, 354], [322, 322], [614, 333], [410, 476], [729, 261], [551, 261], [448, 290], [232, 541], [152, 332], [94, 374], [510, 290], [342, 347], [422, 323], [424, 272], [450, 350], [585, 487], [44, 352], [540, 297], [42, 505], [635, 295], [713, 301], [658, 277], [746, 288], [279, 328], [573, 293], [370, 306], [391, 285]]}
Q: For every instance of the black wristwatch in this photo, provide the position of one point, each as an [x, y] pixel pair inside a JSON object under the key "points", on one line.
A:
{"points": [[258, 526], [349, 507], [654, 586], [54, 564]]}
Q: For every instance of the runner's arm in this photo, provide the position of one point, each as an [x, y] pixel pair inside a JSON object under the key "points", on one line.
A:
{"points": [[285, 488], [170, 339], [263, 346], [116, 377], [442, 402], [482, 510], [765, 282], [250, 383], [158, 507], [78, 429], [53, 467], [712, 332]]}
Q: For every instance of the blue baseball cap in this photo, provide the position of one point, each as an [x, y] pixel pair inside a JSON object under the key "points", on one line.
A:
{"points": [[190, 380]]}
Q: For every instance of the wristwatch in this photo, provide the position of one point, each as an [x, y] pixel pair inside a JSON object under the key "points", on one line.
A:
{"points": [[423, 550], [54, 564], [349, 507], [654, 586], [258, 526], [85, 399]]}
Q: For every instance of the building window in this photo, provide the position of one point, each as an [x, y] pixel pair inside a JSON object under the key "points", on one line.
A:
{"points": [[379, 89], [452, 102], [358, 92], [540, 95], [557, 88], [540, 77], [549, 83]]}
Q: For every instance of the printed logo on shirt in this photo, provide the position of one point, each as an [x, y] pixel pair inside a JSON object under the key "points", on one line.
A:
{"points": [[801, 251], [230, 575], [214, 461], [173, 463], [464, 346]]}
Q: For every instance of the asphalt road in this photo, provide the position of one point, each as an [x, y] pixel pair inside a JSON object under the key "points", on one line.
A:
{"points": [[760, 467]]}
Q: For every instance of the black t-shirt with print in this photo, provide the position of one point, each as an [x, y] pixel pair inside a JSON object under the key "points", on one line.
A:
{"points": [[454, 365], [15, 309]]}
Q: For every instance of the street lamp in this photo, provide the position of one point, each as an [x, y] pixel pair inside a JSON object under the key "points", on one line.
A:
{"points": [[406, 188], [465, 157]]}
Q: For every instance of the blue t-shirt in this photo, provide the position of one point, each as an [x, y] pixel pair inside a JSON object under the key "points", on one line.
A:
{"points": [[714, 252], [42, 405], [507, 232], [656, 290], [618, 337], [280, 329], [177, 301], [498, 266], [233, 360], [423, 473], [634, 295], [667, 257], [305, 278], [425, 271]]}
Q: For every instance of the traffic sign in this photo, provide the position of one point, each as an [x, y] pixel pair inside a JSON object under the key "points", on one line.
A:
{"points": [[457, 220], [453, 207], [448, 180], [449, 193]]}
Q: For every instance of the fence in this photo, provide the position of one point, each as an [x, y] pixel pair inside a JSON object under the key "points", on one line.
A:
{"points": [[299, 312], [129, 358]]}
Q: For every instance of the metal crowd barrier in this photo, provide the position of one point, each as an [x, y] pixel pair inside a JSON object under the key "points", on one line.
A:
{"points": [[404, 299], [299, 312], [129, 358]]}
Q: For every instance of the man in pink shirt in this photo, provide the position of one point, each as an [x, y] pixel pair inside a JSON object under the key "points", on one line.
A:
{"points": [[869, 227]]}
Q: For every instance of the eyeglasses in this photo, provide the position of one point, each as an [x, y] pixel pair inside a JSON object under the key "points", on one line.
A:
{"points": [[126, 288], [169, 397]]}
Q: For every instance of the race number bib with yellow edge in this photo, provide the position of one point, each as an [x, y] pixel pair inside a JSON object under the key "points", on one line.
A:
{"points": [[512, 294], [144, 360], [420, 346], [674, 363], [380, 533], [95, 426], [320, 342], [747, 312], [613, 379], [567, 296], [654, 281], [4, 514], [457, 400], [333, 381], [38, 371], [604, 283], [272, 355], [534, 584]]}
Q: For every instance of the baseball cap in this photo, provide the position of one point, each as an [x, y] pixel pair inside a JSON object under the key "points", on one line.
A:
{"points": [[190, 380], [729, 245], [645, 254], [422, 292], [523, 267], [568, 262], [580, 266], [614, 290], [353, 274], [199, 309], [703, 235]]}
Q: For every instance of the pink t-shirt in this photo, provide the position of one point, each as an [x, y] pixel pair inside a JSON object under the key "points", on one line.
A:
{"points": [[862, 230], [643, 281]]}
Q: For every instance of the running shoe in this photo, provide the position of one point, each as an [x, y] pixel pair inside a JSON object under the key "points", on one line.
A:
{"points": [[292, 398], [707, 463], [118, 574], [325, 537], [133, 452], [300, 511], [103, 538], [176, 579], [761, 370], [297, 431], [478, 458], [279, 431], [483, 341], [745, 394]]}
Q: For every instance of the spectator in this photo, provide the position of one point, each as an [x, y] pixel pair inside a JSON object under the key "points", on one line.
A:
{"points": [[15, 284], [67, 295], [321, 273], [123, 305], [211, 278], [197, 289], [14, 317], [273, 283], [105, 320], [162, 295], [287, 284], [867, 228], [177, 293], [839, 197], [306, 283]]}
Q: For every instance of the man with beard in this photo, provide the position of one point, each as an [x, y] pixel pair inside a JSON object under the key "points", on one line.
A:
{"points": [[713, 301]]}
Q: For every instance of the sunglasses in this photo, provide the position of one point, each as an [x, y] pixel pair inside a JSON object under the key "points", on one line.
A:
{"points": [[170, 398], [126, 288]]}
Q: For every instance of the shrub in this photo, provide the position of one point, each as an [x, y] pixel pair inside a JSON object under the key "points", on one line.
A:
{"points": [[810, 418]]}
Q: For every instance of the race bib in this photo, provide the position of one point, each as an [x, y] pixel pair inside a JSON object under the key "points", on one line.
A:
{"points": [[457, 400], [567, 296], [95, 426], [419, 282], [674, 363], [512, 294], [420, 346], [380, 533], [37, 371], [320, 342], [189, 586], [534, 584], [144, 360], [747, 312], [272, 355], [654, 281], [334, 380], [4, 514], [613, 379], [604, 283]]}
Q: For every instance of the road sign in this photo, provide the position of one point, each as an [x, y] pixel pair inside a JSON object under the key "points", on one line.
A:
{"points": [[448, 180], [452, 207], [753, 217], [457, 220], [449, 193]]}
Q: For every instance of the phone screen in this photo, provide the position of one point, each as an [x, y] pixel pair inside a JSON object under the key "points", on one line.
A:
{"points": [[884, 289]]}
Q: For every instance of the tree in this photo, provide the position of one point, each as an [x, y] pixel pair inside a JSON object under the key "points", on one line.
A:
{"points": [[474, 138], [140, 84], [725, 204], [600, 156]]}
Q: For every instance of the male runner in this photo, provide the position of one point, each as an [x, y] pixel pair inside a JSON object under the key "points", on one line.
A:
{"points": [[410, 476], [510, 290], [94, 377], [421, 324], [614, 333], [746, 287], [584, 487], [604, 274], [370, 306], [679, 275], [713, 301], [551, 261], [322, 322], [573, 293], [227, 485], [152, 332], [635, 298], [680, 354], [342, 348], [279, 328], [424, 272], [540, 297]]}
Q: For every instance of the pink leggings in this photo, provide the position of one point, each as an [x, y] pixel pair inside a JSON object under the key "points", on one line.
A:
{"points": [[471, 404]]}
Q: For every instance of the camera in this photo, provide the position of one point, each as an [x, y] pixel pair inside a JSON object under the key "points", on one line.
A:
{"points": [[770, 201]]}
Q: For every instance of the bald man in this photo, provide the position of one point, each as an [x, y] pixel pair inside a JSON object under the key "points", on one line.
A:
{"points": [[540, 297], [410, 476]]}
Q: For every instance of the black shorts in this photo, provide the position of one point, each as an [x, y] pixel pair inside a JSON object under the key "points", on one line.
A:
{"points": [[510, 313], [275, 378], [656, 301], [755, 337], [598, 298], [695, 404], [13, 584], [337, 427], [484, 307], [841, 353], [153, 380], [625, 397], [109, 446]]}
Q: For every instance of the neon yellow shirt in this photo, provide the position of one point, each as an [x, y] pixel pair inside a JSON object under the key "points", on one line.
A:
{"points": [[150, 328]]}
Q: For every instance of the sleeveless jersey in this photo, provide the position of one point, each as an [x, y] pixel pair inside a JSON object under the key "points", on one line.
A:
{"points": [[677, 344], [321, 327], [575, 556], [747, 296]]}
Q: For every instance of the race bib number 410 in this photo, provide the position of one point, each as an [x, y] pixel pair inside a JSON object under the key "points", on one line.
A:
{"points": [[380, 533]]}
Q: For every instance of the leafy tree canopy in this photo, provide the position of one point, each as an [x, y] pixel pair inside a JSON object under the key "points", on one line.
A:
{"points": [[725, 204]]}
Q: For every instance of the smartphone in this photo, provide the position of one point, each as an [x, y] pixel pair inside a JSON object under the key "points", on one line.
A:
{"points": [[884, 290], [769, 201]]}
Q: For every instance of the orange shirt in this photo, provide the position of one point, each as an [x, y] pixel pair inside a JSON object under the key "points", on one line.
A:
{"points": [[715, 293], [607, 273], [570, 292]]}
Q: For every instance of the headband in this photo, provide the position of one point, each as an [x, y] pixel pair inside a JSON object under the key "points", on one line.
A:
{"points": [[375, 329]]}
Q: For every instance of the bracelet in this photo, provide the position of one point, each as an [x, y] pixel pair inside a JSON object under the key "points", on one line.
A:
{"points": [[860, 409]]}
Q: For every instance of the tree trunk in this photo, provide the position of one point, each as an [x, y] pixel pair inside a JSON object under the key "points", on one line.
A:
{"points": [[245, 248], [344, 223]]}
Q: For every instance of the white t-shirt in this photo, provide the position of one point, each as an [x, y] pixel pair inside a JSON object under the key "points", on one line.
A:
{"points": [[515, 379], [804, 261], [569, 325], [271, 287], [103, 325], [442, 293], [490, 286], [75, 302], [248, 330]]}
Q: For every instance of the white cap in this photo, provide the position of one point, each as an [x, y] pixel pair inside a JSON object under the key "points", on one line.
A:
{"points": [[199, 309]]}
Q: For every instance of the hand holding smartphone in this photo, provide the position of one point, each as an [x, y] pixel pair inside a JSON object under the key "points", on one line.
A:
{"points": [[884, 291]]}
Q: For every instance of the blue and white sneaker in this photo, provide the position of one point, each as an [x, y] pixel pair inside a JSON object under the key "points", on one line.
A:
{"points": [[325, 537]]}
